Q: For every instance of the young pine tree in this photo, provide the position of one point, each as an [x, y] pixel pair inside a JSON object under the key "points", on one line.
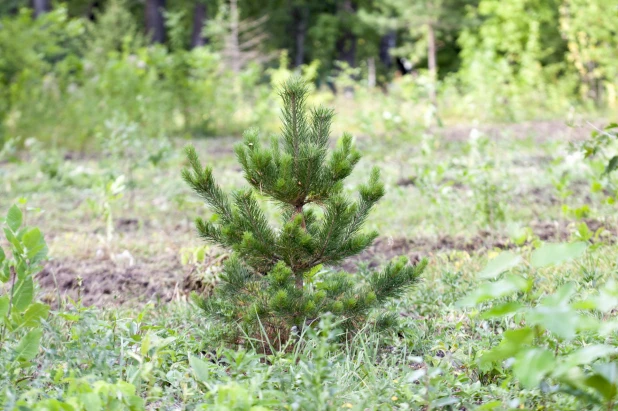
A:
{"points": [[273, 282]]}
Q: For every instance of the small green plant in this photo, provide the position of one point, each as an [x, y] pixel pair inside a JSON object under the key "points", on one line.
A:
{"points": [[273, 284], [107, 193], [20, 315], [602, 146], [541, 346], [480, 174], [487, 194]]}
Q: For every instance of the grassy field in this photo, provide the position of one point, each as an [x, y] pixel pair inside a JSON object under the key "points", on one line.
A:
{"points": [[125, 256]]}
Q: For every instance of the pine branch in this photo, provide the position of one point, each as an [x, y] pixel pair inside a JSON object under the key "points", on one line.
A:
{"points": [[203, 183]]}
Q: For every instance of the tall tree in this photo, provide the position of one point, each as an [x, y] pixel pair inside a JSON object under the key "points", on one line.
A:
{"points": [[346, 44], [300, 14], [200, 16], [387, 44], [40, 7], [422, 21], [155, 22]]}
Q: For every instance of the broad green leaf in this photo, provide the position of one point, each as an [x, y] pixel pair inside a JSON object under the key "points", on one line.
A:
{"points": [[52, 404], [90, 401], [584, 355], [23, 294], [584, 305], [562, 321], [612, 164], [28, 347], [561, 297], [607, 299], [145, 347], [69, 317], [510, 345], [520, 336], [443, 402], [2, 256], [601, 385], [490, 406], [501, 310], [549, 254], [14, 218], [503, 262], [608, 371], [36, 249], [4, 306], [5, 273], [532, 365], [200, 255], [495, 289], [200, 369], [34, 314], [14, 241], [608, 327]]}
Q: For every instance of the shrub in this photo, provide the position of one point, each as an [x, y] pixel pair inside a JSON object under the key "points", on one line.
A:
{"points": [[20, 314], [273, 283]]}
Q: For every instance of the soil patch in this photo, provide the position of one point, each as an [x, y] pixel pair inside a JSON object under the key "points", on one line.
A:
{"points": [[546, 130], [132, 281], [384, 249], [105, 281]]}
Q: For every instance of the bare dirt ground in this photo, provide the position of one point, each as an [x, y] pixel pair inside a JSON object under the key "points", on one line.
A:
{"points": [[539, 130], [163, 278], [106, 282]]}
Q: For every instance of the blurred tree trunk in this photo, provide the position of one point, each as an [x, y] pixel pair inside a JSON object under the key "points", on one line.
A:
{"points": [[387, 42], [432, 61], [346, 44], [200, 16], [155, 23], [40, 7], [300, 15], [236, 63], [371, 72]]}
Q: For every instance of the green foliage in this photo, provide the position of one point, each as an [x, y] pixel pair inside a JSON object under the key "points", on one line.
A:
{"points": [[601, 150], [589, 27], [415, 19], [20, 315], [270, 281], [514, 55], [71, 76], [538, 349]]}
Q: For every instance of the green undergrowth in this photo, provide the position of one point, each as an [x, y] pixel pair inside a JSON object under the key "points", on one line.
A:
{"points": [[162, 357]]}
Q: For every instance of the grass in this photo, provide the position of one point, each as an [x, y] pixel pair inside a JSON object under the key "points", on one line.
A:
{"points": [[435, 206]]}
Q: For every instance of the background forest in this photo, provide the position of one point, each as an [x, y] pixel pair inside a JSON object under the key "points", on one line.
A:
{"points": [[420, 213], [208, 67]]}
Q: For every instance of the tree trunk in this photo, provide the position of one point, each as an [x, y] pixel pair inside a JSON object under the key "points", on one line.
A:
{"points": [[40, 7], [301, 15], [371, 72], [432, 62], [346, 44], [200, 16], [155, 23], [236, 63], [387, 42]]}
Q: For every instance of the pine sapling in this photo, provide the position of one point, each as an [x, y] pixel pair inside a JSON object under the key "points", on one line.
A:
{"points": [[263, 292]]}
